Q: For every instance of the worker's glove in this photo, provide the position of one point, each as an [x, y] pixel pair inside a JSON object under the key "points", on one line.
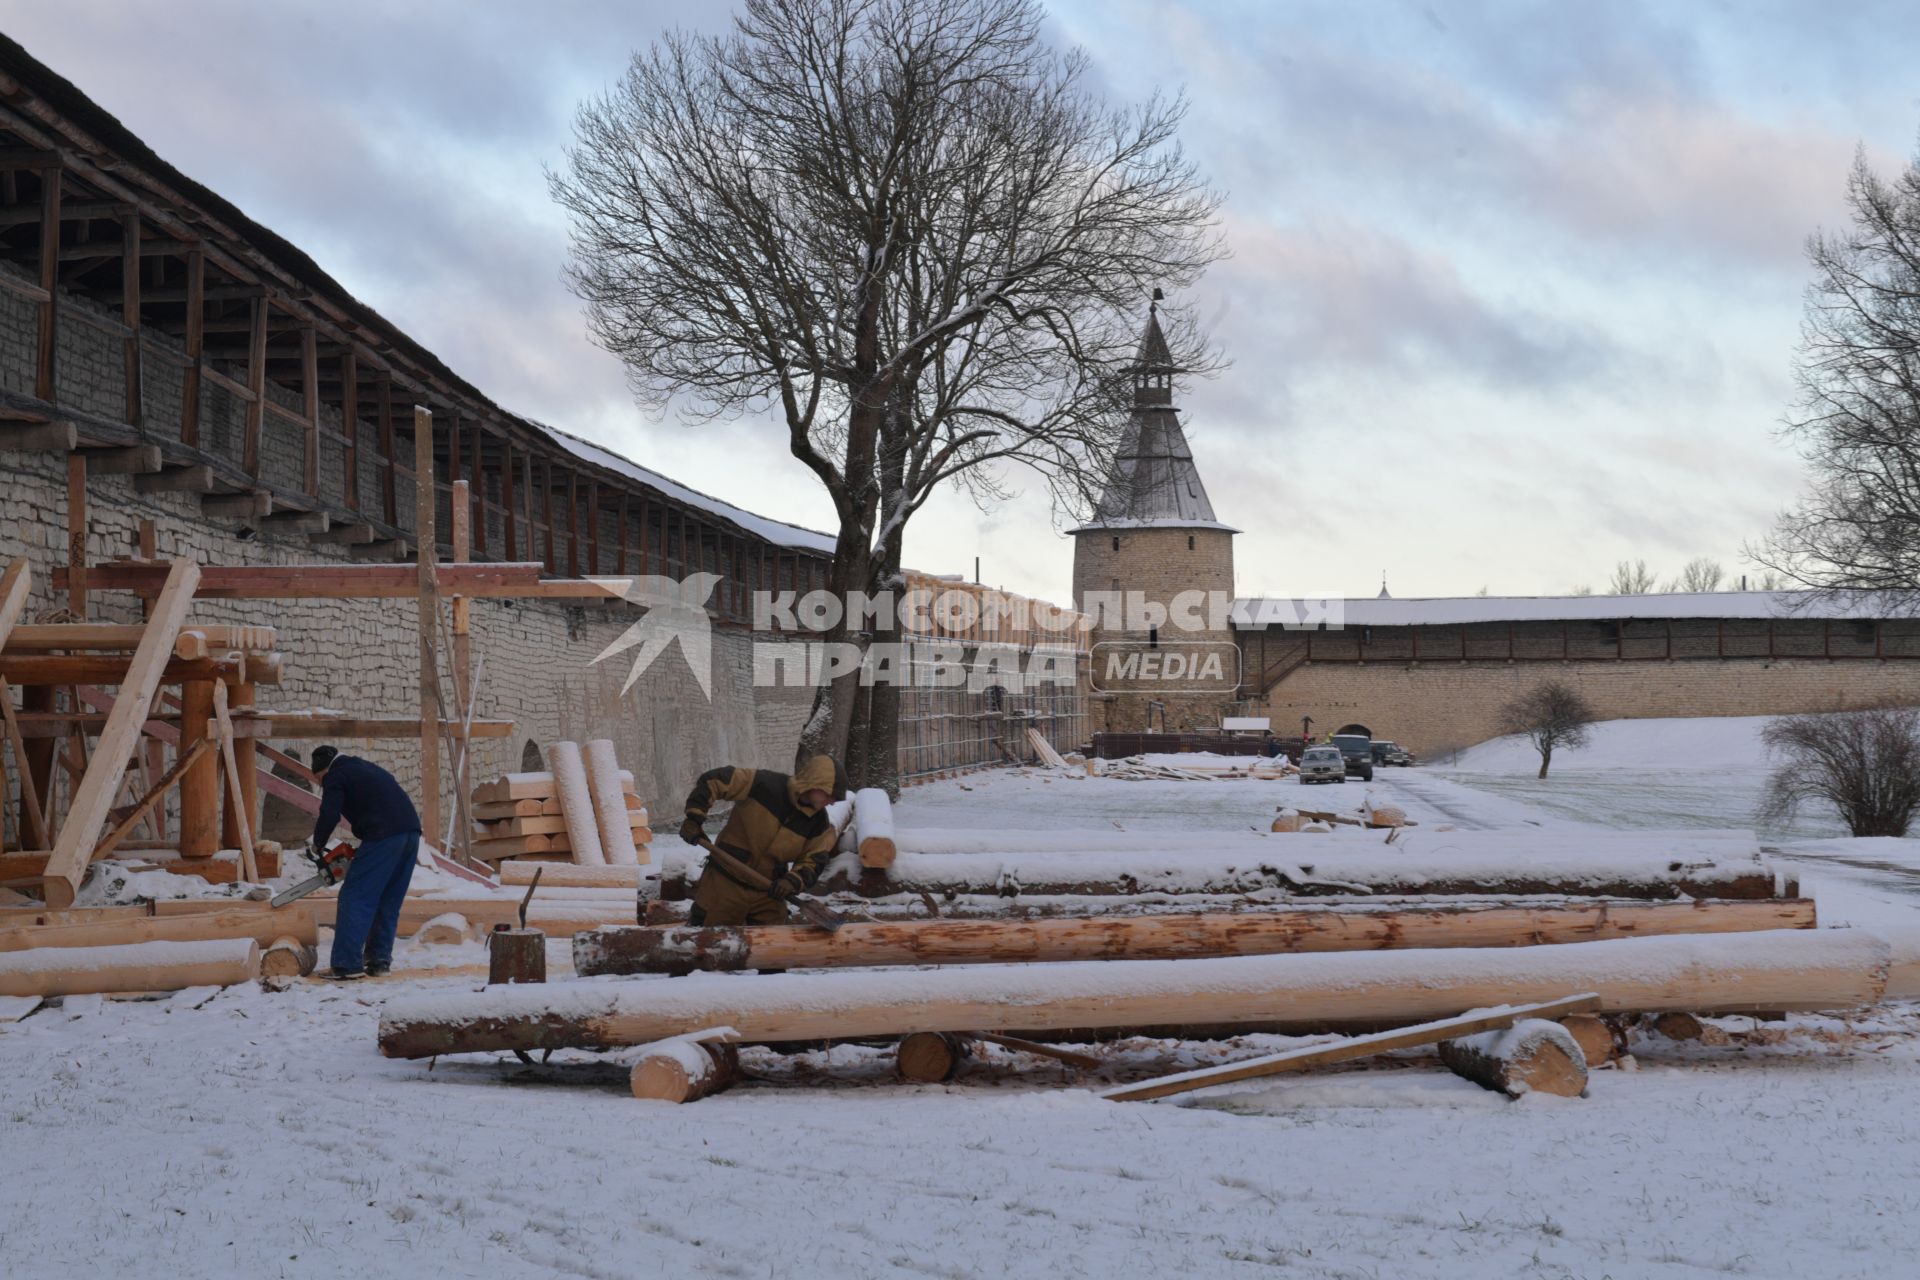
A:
{"points": [[694, 829], [787, 886]]}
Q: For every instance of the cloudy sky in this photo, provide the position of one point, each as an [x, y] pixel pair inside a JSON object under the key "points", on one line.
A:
{"points": [[1514, 294]]}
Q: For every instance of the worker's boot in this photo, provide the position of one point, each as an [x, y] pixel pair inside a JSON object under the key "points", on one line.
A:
{"points": [[346, 975], [375, 969]]}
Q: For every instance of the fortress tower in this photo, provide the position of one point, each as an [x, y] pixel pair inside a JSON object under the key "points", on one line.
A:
{"points": [[1152, 537]]}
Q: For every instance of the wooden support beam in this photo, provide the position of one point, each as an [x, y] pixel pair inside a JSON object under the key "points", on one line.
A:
{"points": [[240, 796], [77, 536], [462, 641], [1349, 1050], [389, 488], [254, 505], [38, 437], [195, 341], [87, 812], [310, 410], [1809, 969], [637, 949], [350, 425], [42, 669], [16, 582], [200, 785], [126, 460], [256, 386], [115, 637], [156, 793], [45, 381], [194, 478], [428, 614], [132, 357]]}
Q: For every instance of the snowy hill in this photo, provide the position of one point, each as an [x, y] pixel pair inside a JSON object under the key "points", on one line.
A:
{"points": [[1711, 743]]}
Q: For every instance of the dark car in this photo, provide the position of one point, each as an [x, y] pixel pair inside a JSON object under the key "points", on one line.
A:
{"points": [[1391, 753], [1359, 753]]}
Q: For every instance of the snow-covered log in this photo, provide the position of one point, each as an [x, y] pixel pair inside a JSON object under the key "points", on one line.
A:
{"points": [[610, 805], [1595, 1036], [566, 875], [288, 958], [1330, 867], [261, 923], [1717, 843], [1533, 1056], [1800, 969], [144, 966], [448, 929], [685, 949], [684, 1070], [873, 826], [576, 803]]}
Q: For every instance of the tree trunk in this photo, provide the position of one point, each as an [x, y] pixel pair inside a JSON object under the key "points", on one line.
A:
{"points": [[1534, 1056], [930, 1057], [143, 966], [684, 1070], [1546, 758], [630, 949], [1793, 970], [516, 955]]}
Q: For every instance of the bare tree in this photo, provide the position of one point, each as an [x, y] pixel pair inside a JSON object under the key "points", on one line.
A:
{"points": [[1551, 715], [1864, 763], [1858, 422], [1699, 574], [910, 230], [1631, 579], [1584, 589]]}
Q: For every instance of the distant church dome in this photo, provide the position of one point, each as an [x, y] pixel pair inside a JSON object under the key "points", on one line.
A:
{"points": [[1384, 593]]}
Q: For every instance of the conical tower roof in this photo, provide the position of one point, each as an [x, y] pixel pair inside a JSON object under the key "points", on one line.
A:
{"points": [[1154, 481]]}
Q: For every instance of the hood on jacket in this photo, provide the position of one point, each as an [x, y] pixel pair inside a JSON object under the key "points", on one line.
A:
{"points": [[821, 773]]}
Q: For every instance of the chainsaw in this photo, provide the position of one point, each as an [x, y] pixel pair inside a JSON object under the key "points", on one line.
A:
{"points": [[332, 866]]}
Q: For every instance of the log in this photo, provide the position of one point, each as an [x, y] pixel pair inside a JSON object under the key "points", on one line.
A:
{"points": [[1531, 1056], [1719, 844], [528, 786], [415, 912], [930, 1057], [1349, 1050], [684, 1070], [629, 949], [1679, 1025], [561, 875], [1595, 1036], [1322, 871], [576, 803], [112, 668], [513, 847], [495, 811], [145, 966], [448, 929], [263, 926], [873, 821], [611, 816], [214, 870], [1794, 970], [115, 637], [288, 958], [516, 956]]}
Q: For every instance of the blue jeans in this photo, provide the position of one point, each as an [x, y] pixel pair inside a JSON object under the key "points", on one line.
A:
{"points": [[368, 913]]}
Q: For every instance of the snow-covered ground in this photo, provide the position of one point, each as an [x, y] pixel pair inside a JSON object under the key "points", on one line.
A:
{"points": [[261, 1134]]}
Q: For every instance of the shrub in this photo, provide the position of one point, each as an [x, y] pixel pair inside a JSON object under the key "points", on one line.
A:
{"points": [[1864, 762]]}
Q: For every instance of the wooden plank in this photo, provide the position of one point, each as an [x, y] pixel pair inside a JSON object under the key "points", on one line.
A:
{"points": [[195, 341], [462, 641], [132, 358], [310, 410], [153, 796], [39, 437], [33, 813], [236, 793], [427, 586], [1350, 1049], [337, 581], [77, 536], [16, 581], [87, 812], [45, 381]]}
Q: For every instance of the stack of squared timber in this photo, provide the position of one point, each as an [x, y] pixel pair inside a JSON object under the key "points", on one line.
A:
{"points": [[597, 821]]}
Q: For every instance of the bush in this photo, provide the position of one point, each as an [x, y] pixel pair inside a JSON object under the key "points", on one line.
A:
{"points": [[1863, 762]]}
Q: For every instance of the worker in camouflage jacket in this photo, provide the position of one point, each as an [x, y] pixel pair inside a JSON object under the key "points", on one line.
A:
{"points": [[778, 827]]}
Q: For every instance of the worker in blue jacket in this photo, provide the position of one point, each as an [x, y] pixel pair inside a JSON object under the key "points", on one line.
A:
{"points": [[383, 817]]}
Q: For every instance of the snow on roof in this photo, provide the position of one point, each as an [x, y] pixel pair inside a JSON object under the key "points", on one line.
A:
{"points": [[1453, 610], [778, 532]]}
